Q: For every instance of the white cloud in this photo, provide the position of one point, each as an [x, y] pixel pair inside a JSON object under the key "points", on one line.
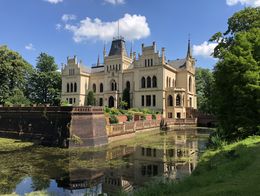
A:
{"points": [[54, 1], [132, 27], [67, 17], [29, 47], [252, 3], [115, 2], [205, 49], [58, 27]]}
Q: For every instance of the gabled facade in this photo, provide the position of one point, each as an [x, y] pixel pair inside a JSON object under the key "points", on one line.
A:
{"points": [[154, 82]]}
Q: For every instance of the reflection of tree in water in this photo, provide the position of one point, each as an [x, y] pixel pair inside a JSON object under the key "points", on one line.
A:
{"points": [[40, 183], [116, 166]]}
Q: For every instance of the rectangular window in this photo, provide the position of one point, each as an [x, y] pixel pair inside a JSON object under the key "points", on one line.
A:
{"points": [[169, 115], [70, 102], [74, 100], [151, 62], [154, 152], [190, 102], [148, 62], [148, 100], [145, 62], [155, 170], [142, 100], [148, 152], [149, 170], [143, 170], [143, 151], [154, 100], [178, 115]]}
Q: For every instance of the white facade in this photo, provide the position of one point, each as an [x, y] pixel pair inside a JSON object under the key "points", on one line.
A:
{"points": [[154, 83]]}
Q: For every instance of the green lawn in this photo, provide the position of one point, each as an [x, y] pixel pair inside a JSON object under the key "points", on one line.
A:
{"points": [[233, 170]]}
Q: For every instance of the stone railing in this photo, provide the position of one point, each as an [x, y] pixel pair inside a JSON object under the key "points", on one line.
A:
{"points": [[131, 127], [51, 109], [185, 121]]}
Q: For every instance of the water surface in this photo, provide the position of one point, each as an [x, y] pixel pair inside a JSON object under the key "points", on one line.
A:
{"points": [[121, 166]]}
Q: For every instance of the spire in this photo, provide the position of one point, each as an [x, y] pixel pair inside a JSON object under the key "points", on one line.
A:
{"points": [[131, 51], [98, 63], [189, 52]]}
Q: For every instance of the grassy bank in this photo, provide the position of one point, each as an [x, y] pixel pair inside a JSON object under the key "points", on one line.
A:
{"points": [[232, 170]]}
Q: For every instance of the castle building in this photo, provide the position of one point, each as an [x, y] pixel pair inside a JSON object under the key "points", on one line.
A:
{"points": [[153, 82]]}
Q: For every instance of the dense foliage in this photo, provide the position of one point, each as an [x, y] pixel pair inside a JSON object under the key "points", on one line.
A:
{"points": [[14, 75], [126, 98], [90, 99], [204, 88], [45, 82], [237, 75], [20, 83]]}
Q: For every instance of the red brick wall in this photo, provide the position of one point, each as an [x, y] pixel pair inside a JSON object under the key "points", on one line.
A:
{"points": [[121, 118]]}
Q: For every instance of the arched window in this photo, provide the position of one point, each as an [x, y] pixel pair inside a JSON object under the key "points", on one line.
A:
{"points": [[190, 83], [94, 88], [173, 83], [154, 82], [143, 82], [113, 85], [149, 82], [71, 87], [178, 100], [75, 87], [128, 85], [68, 87], [169, 82], [170, 100], [101, 87], [100, 101]]}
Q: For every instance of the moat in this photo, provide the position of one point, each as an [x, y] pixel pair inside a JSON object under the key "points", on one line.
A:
{"points": [[121, 166]]}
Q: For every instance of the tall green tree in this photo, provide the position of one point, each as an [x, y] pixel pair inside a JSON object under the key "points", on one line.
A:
{"points": [[14, 74], [45, 82], [90, 99], [237, 75], [204, 88], [126, 98]]}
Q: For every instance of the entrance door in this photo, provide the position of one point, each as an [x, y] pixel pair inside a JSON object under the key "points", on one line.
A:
{"points": [[111, 103]]}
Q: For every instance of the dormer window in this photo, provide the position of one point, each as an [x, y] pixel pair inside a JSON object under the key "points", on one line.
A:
{"points": [[71, 72]]}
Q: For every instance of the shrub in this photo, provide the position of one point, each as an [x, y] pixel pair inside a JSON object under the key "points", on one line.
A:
{"points": [[143, 117], [134, 109], [216, 141], [113, 119], [114, 111], [129, 116], [64, 103], [107, 110], [146, 111], [123, 105], [122, 111]]}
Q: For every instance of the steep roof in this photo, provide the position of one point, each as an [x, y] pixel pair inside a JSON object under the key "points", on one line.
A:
{"points": [[118, 47], [177, 64]]}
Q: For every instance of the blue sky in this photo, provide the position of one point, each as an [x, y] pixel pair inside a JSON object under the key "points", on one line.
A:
{"points": [[64, 28]]}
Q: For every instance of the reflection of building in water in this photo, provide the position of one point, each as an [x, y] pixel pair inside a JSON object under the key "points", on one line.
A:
{"points": [[174, 157]]}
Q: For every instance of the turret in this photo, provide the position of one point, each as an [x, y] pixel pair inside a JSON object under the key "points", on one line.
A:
{"points": [[189, 52], [163, 55]]}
